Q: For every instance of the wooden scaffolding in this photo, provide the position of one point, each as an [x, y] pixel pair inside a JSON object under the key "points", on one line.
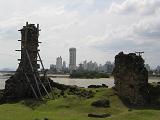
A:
{"points": [[28, 62]]}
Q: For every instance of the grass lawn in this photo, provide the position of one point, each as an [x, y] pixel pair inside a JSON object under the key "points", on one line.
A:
{"points": [[75, 108]]}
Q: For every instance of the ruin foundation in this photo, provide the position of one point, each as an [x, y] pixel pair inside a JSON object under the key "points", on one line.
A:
{"points": [[131, 78], [27, 83]]}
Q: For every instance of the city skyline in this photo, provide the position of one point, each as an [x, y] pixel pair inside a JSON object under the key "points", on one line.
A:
{"points": [[99, 29], [72, 64], [87, 65], [60, 67], [77, 64]]}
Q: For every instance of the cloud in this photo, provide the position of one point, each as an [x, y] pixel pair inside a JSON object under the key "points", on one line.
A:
{"points": [[141, 35], [98, 35], [143, 7], [138, 35], [148, 28], [90, 2]]}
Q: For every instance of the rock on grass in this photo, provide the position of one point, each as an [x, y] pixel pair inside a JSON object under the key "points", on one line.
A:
{"points": [[101, 103]]}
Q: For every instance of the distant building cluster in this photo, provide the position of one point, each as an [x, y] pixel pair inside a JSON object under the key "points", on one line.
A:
{"points": [[157, 70], [93, 66], [153, 72], [61, 66], [90, 66]]}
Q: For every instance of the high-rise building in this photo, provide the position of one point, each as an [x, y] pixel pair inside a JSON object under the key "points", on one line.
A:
{"points": [[85, 65], [52, 67], [64, 65], [100, 68], [59, 63], [72, 58], [92, 66], [158, 69], [108, 67]]}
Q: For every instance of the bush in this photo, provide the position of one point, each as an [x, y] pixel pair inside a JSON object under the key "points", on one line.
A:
{"points": [[88, 74]]}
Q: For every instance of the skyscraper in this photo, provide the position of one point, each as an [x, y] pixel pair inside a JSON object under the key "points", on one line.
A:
{"points": [[72, 58], [59, 63]]}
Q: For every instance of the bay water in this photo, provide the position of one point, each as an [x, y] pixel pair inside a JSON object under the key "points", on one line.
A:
{"points": [[78, 82]]}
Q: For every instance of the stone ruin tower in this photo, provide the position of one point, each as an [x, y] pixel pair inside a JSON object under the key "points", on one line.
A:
{"points": [[27, 83], [131, 78]]}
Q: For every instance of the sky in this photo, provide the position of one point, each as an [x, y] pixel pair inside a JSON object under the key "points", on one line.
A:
{"points": [[98, 29]]}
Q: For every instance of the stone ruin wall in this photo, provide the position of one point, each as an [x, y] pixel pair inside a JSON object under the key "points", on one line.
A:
{"points": [[19, 86], [131, 78]]}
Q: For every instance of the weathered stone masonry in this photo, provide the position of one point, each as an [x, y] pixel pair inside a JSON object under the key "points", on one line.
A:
{"points": [[27, 82], [131, 78]]}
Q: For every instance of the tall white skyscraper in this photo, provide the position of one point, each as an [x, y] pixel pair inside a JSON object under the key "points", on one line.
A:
{"points": [[59, 63], [72, 58]]}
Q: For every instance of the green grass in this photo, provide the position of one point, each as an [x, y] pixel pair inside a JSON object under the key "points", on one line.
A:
{"points": [[75, 108]]}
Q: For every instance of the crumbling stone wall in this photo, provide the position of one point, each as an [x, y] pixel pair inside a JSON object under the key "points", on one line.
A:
{"points": [[26, 82], [131, 78]]}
